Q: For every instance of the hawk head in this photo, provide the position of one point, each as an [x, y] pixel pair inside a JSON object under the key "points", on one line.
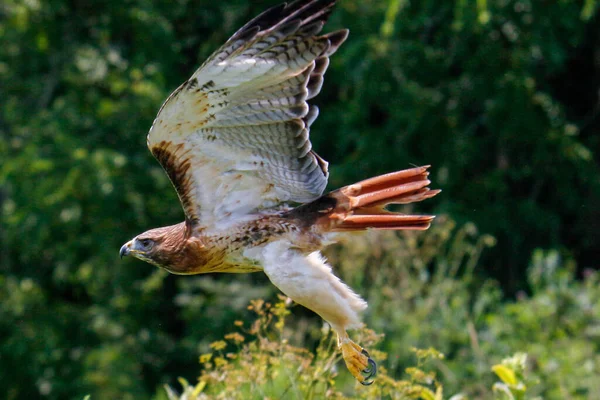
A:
{"points": [[161, 247], [174, 249], [146, 246]]}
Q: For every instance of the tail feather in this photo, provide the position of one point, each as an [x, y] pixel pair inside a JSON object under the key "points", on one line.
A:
{"points": [[385, 221], [362, 205]]}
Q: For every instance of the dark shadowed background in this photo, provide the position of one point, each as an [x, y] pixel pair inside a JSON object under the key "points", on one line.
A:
{"points": [[500, 97]]}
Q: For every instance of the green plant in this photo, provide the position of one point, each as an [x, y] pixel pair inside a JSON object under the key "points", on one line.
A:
{"points": [[260, 363]]}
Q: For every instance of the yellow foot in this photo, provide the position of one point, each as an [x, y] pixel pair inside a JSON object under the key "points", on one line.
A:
{"points": [[360, 365]]}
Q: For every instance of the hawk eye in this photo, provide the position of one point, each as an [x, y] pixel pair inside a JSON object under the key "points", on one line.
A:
{"points": [[146, 243]]}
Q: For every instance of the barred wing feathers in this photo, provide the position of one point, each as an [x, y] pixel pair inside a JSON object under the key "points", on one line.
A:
{"points": [[234, 138]]}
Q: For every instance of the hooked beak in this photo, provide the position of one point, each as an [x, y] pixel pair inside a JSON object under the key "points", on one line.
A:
{"points": [[125, 249]]}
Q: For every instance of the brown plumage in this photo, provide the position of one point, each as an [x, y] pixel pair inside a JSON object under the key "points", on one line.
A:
{"points": [[234, 141]]}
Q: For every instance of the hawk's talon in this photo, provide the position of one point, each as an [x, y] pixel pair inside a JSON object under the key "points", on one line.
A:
{"points": [[359, 363], [370, 371], [367, 383]]}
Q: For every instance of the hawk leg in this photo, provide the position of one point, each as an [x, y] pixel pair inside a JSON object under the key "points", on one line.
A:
{"points": [[308, 280], [357, 360]]}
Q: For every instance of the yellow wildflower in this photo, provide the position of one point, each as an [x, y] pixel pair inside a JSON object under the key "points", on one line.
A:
{"points": [[218, 345], [220, 361], [236, 337], [204, 358]]}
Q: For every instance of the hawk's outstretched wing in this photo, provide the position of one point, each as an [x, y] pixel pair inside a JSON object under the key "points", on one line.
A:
{"points": [[234, 138]]}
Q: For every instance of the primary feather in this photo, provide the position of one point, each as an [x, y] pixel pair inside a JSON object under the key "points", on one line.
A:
{"points": [[234, 138]]}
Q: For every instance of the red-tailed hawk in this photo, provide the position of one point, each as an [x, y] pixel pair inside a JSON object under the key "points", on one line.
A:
{"points": [[234, 140]]}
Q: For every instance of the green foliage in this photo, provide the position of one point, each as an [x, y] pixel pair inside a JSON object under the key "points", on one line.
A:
{"points": [[498, 96], [269, 367], [465, 317], [463, 320], [511, 373]]}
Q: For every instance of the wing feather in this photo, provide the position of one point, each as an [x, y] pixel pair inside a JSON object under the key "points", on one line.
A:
{"points": [[234, 138]]}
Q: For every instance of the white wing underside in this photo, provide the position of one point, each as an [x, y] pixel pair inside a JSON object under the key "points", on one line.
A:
{"points": [[309, 281], [240, 125]]}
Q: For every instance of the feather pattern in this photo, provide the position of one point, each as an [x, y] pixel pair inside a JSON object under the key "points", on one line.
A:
{"points": [[234, 138]]}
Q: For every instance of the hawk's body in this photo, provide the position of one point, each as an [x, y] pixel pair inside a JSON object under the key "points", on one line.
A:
{"points": [[234, 141]]}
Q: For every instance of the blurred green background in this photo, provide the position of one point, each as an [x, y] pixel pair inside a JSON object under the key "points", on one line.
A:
{"points": [[500, 97]]}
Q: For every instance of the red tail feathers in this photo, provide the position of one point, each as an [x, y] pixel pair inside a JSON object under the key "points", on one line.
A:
{"points": [[362, 205]]}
